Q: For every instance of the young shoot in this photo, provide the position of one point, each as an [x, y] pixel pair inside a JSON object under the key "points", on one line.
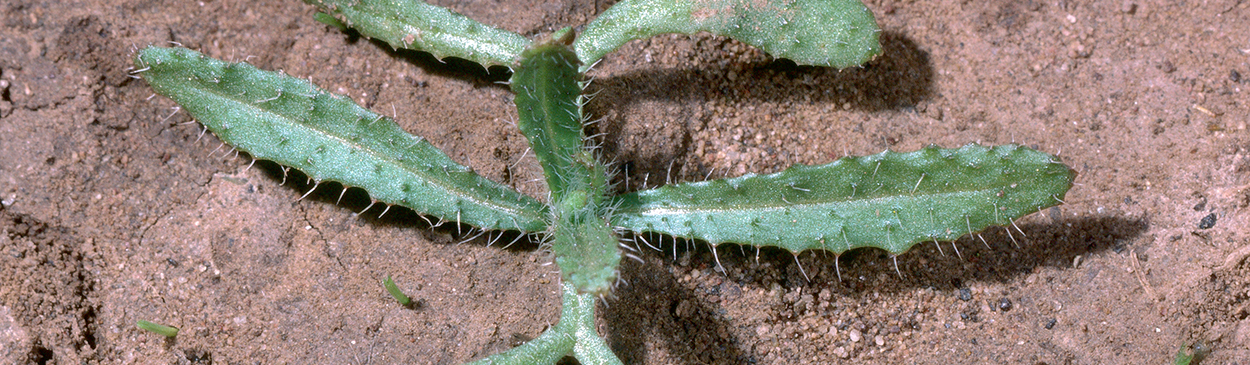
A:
{"points": [[160, 329], [399, 296], [889, 201]]}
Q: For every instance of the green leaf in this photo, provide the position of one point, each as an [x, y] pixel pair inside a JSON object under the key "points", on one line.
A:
{"points": [[1183, 357], [838, 33], [330, 20], [889, 200], [415, 25], [1192, 354], [396, 293], [585, 249], [291, 122], [545, 82], [160, 329]]}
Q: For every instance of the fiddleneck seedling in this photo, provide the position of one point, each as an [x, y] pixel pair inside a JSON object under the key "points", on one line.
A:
{"points": [[889, 201]]}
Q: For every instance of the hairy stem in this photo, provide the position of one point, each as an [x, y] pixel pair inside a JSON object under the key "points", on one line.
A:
{"points": [[545, 81], [575, 333]]}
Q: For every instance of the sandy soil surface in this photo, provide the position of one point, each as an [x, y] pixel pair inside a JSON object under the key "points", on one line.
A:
{"points": [[116, 209]]}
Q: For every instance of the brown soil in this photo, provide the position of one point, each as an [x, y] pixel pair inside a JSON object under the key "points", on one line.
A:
{"points": [[114, 210]]}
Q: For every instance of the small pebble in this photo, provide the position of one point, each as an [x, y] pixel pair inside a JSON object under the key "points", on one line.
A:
{"points": [[1167, 67], [1004, 304], [856, 335], [841, 352], [879, 340], [965, 294], [1050, 323], [1207, 222], [1128, 7]]}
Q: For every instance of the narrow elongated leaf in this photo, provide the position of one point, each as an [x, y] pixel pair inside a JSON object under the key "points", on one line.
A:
{"points": [[545, 79], [290, 121], [888, 200], [415, 25], [545, 82], [838, 33]]}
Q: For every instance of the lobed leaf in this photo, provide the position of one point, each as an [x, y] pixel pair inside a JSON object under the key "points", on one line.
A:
{"points": [[889, 200], [837, 33], [291, 122], [416, 25]]}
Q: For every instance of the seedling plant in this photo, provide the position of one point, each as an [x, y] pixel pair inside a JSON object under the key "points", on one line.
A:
{"points": [[890, 201], [160, 329]]}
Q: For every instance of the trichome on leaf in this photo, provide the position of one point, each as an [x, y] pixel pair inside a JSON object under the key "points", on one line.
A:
{"points": [[890, 201]]}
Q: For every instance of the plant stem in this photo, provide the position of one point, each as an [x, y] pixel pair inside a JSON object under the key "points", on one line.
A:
{"points": [[574, 333], [546, 84]]}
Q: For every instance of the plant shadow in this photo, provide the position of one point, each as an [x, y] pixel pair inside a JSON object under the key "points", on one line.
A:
{"points": [[656, 311], [902, 77], [450, 67], [899, 78], [358, 201]]}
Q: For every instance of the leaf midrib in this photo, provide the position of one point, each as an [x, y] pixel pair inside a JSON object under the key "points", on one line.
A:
{"points": [[518, 211], [657, 210]]}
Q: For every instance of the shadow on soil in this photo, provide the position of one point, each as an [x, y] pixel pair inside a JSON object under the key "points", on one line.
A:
{"points": [[450, 67], [689, 323], [899, 78], [357, 201]]}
